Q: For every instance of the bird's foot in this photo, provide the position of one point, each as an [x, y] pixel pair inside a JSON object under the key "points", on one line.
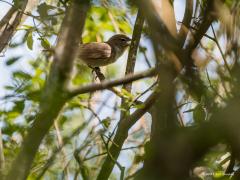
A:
{"points": [[98, 72]]}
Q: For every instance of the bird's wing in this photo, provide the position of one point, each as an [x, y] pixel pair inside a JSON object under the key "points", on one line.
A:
{"points": [[95, 51]]}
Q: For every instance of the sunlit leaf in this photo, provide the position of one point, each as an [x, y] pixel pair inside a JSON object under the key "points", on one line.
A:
{"points": [[106, 122], [30, 41], [45, 43]]}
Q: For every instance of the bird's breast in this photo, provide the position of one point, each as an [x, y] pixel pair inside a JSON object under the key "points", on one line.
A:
{"points": [[117, 52]]}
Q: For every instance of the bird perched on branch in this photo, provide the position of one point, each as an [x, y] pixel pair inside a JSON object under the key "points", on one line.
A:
{"points": [[96, 54]]}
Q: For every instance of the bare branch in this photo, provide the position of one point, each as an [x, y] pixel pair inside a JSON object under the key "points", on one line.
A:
{"points": [[7, 17], [164, 34], [101, 77], [186, 21], [165, 11], [134, 47], [10, 28], [137, 31], [208, 18], [108, 84]]}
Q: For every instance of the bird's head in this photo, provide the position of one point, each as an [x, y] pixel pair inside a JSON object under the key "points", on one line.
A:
{"points": [[119, 40]]}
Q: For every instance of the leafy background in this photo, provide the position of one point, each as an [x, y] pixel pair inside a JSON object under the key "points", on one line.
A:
{"points": [[88, 119]]}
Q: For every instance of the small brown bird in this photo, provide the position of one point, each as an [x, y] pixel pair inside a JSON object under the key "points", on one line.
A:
{"points": [[96, 54]]}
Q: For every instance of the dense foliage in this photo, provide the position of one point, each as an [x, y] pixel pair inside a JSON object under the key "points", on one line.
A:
{"points": [[179, 120]]}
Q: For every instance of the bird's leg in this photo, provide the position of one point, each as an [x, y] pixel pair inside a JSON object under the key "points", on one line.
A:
{"points": [[91, 68], [99, 73]]}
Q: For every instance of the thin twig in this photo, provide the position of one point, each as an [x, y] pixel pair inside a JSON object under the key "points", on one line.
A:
{"points": [[60, 143], [220, 49]]}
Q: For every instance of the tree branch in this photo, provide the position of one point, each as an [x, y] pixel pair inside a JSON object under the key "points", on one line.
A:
{"points": [[108, 84], [131, 61], [185, 26], [53, 95], [10, 28], [121, 136], [7, 17], [208, 18], [137, 31]]}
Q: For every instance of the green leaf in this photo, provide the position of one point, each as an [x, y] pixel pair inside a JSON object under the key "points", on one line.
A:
{"points": [[219, 174], [127, 94], [54, 21], [75, 105], [45, 43], [199, 114], [30, 41], [13, 115], [21, 75], [34, 95], [106, 122], [25, 27], [43, 9], [12, 60], [139, 106], [9, 87], [19, 106]]}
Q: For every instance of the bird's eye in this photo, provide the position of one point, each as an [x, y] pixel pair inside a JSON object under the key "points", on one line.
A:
{"points": [[122, 39]]}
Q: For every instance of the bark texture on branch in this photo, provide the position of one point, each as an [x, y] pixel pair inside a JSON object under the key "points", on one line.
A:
{"points": [[54, 95], [11, 21], [105, 84]]}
